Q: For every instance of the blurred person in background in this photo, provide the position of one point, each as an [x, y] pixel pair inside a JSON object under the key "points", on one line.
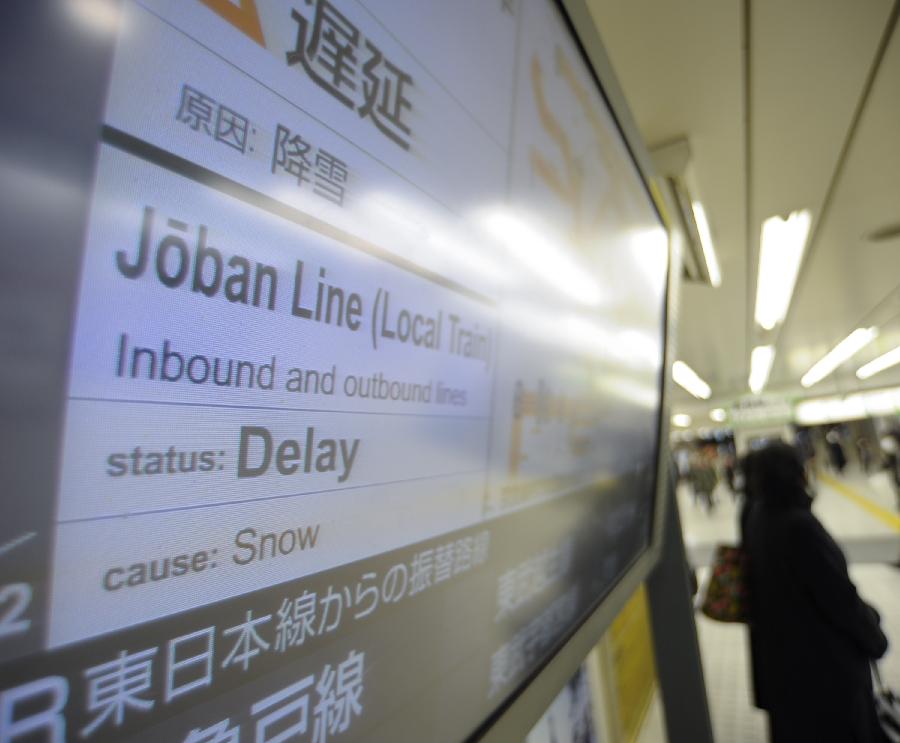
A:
{"points": [[836, 453], [890, 454], [682, 463], [730, 469], [812, 637], [864, 451], [703, 477], [807, 451]]}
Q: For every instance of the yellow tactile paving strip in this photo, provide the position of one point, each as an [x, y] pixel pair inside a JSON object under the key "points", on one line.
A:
{"points": [[882, 514]]}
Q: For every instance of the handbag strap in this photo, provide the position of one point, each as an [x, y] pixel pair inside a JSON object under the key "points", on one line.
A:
{"points": [[879, 684]]}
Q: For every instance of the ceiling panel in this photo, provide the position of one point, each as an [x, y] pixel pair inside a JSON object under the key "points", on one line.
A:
{"points": [[850, 280], [809, 60], [679, 65]]}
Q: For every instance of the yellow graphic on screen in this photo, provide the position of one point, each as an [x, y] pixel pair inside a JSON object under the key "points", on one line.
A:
{"points": [[243, 15], [567, 185], [542, 407], [566, 178]]}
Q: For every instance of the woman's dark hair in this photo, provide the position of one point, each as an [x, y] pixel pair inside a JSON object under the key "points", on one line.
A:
{"points": [[778, 476]]}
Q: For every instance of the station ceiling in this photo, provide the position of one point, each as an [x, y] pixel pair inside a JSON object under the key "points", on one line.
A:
{"points": [[786, 106]]}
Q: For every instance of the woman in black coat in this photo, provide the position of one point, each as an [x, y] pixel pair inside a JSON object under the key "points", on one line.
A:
{"points": [[812, 636]]}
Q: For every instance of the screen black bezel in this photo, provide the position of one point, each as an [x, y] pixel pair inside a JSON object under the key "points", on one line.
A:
{"points": [[100, 53], [513, 718]]}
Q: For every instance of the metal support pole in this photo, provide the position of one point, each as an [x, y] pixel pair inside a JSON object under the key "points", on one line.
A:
{"points": [[677, 650]]}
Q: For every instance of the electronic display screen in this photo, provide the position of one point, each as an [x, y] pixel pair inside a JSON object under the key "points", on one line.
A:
{"points": [[359, 411]]}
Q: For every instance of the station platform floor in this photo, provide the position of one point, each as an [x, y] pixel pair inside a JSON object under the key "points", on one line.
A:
{"points": [[860, 511]]}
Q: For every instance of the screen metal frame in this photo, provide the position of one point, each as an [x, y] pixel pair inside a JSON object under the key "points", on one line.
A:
{"points": [[41, 47], [523, 708]]}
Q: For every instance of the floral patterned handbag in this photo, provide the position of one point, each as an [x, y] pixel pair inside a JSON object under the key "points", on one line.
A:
{"points": [[727, 597], [887, 705]]}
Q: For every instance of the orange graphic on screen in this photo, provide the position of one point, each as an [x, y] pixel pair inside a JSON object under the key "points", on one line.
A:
{"points": [[243, 15], [542, 406], [568, 183]]}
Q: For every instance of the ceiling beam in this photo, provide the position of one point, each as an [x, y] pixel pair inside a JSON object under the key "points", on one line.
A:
{"points": [[819, 221]]}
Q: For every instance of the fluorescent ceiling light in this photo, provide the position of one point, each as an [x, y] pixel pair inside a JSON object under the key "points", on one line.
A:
{"points": [[718, 415], [838, 355], [682, 420], [690, 380], [761, 359], [709, 254], [886, 361], [780, 253]]}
